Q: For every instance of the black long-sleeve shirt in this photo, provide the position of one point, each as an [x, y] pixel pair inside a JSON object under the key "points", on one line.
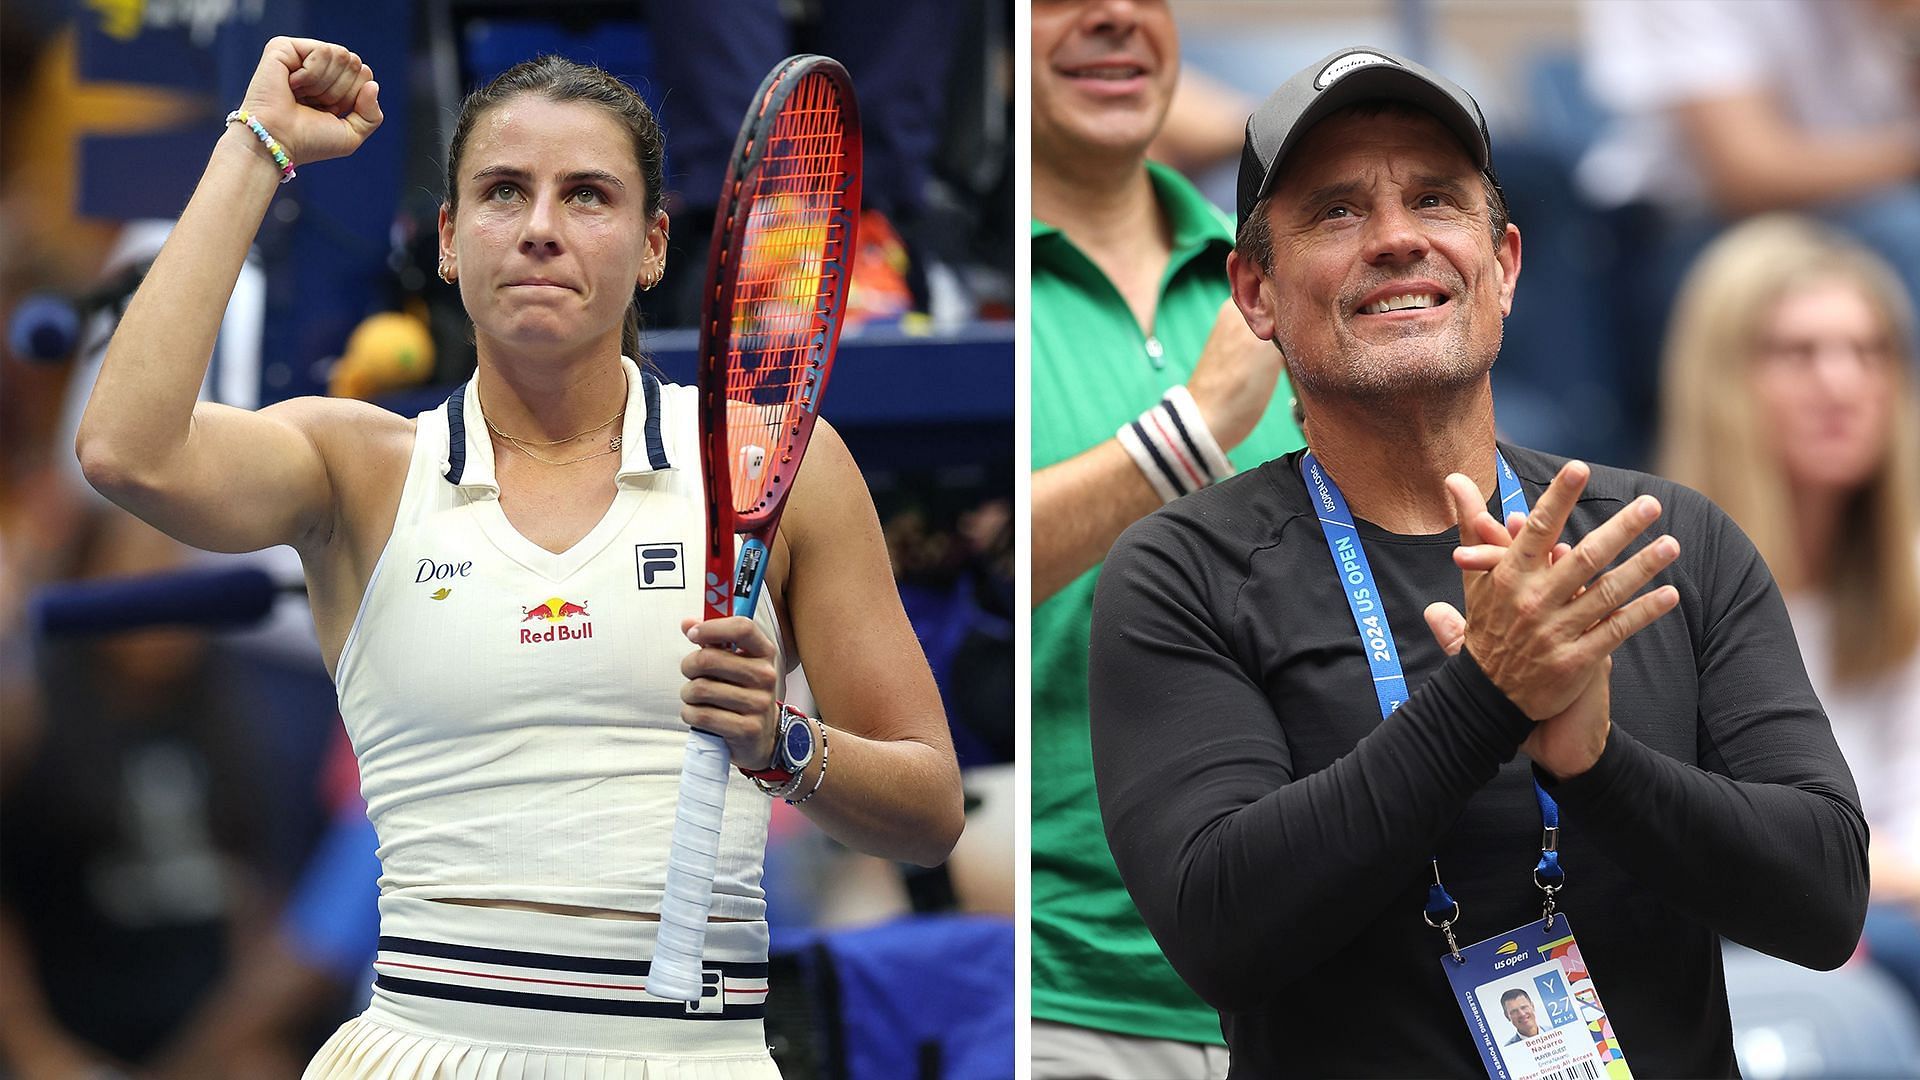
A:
{"points": [[1275, 831]]}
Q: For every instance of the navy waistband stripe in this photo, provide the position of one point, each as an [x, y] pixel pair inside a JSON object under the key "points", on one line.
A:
{"points": [[668, 1010], [600, 965]]}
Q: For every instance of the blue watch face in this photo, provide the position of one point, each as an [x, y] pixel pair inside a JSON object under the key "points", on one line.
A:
{"points": [[799, 741]]}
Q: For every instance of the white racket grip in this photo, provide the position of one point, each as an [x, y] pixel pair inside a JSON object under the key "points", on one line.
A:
{"points": [[695, 852]]}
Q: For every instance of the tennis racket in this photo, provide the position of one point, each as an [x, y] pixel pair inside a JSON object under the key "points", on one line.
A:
{"points": [[777, 275]]}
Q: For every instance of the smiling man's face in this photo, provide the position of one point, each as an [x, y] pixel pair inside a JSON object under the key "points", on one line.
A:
{"points": [[1520, 1015], [1385, 278], [1103, 76]]}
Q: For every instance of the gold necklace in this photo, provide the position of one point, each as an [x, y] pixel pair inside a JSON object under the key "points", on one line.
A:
{"points": [[613, 444], [556, 442]]}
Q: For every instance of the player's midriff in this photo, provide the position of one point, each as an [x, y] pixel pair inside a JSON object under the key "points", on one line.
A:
{"points": [[564, 909]]}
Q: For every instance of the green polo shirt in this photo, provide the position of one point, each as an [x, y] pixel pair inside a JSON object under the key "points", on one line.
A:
{"points": [[1094, 368]]}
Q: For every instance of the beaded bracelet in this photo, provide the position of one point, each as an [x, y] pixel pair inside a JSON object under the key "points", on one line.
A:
{"points": [[279, 152]]}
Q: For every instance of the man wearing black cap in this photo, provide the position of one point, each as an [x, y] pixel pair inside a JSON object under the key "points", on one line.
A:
{"points": [[1299, 775]]}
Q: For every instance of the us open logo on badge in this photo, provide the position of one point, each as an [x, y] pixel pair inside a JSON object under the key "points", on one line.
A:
{"points": [[660, 566]]}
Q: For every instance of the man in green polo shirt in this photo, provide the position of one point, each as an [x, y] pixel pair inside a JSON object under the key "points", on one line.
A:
{"points": [[1143, 374]]}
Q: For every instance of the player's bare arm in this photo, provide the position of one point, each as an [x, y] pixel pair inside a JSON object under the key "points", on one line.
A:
{"points": [[215, 477], [893, 787]]}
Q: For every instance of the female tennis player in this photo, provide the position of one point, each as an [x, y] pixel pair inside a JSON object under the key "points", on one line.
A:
{"points": [[504, 589]]}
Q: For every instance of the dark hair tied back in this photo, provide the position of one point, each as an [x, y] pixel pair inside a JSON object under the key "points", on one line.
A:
{"points": [[558, 79]]}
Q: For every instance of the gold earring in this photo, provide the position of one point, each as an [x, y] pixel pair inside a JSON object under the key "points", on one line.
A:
{"points": [[444, 276]]}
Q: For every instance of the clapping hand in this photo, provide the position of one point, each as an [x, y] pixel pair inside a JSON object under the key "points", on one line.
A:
{"points": [[1544, 620]]}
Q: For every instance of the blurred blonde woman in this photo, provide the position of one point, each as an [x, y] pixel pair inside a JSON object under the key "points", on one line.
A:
{"points": [[1790, 401]]}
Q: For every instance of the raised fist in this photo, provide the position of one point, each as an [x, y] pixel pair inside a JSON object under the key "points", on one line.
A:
{"points": [[317, 98]]}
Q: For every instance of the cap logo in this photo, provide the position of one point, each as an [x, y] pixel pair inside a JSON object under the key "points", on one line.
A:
{"points": [[1348, 64]]}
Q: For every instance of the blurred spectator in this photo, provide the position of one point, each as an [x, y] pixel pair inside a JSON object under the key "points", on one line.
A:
{"points": [[145, 859], [1790, 402], [899, 56], [1206, 125], [954, 566], [294, 980], [1130, 313], [1733, 107], [1724, 108], [981, 675]]}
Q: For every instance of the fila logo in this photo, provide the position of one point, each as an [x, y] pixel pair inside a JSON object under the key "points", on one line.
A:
{"points": [[660, 566], [712, 996]]}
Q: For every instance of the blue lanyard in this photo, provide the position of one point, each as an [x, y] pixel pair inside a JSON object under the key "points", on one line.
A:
{"points": [[1383, 657]]}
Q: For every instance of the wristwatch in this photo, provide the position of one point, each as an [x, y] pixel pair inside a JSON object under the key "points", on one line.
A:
{"points": [[793, 750]]}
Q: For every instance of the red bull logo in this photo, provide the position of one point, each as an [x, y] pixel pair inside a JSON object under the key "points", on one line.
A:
{"points": [[555, 611]]}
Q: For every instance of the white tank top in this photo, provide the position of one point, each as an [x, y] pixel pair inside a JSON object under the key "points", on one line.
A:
{"points": [[516, 712]]}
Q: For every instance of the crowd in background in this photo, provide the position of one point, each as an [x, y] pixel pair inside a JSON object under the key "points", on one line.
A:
{"points": [[187, 875]]}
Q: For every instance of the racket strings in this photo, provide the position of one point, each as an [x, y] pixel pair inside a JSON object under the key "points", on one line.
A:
{"points": [[796, 230]]}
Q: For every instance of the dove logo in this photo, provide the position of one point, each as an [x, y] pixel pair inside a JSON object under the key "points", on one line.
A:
{"points": [[660, 566], [428, 570]]}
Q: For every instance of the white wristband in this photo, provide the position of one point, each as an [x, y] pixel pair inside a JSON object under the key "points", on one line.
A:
{"points": [[1173, 447], [1148, 459], [1194, 425]]}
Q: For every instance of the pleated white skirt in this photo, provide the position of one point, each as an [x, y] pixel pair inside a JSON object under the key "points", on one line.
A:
{"points": [[476, 993], [366, 1049]]}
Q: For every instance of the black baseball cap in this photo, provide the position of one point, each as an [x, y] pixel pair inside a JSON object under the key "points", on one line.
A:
{"points": [[1354, 74]]}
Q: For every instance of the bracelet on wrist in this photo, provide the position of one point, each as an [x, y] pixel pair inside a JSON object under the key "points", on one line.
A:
{"points": [[272, 144], [1173, 446], [781, 791], [821, 777], [794, 748]]}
